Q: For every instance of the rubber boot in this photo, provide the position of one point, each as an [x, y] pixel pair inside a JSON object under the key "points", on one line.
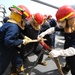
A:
{"points": [[13, 74], [13, 70], [41, 62], [65, 69], [20, 70]]}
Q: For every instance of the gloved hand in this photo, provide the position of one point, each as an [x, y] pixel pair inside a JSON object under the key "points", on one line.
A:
{"points": [[26, 40], [48, 31], [54, 53], [67, 52], [40, 37]]}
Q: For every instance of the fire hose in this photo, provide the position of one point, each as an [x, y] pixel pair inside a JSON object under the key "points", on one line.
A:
{"points": [[56, 60]]}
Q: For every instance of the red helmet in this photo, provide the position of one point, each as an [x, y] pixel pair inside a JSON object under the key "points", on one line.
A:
{"points": [[39, 18], [45, 16], [65, 12], [49, 16], [21, 10]]}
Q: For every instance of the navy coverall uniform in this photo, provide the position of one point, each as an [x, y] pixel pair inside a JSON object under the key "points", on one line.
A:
{"points": [[9, 41], [34, 47], [69, 42], [31, 47], [53, 23], [44, 27]]}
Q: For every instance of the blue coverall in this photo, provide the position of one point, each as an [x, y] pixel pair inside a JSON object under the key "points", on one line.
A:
{"points": [[9, 41]]}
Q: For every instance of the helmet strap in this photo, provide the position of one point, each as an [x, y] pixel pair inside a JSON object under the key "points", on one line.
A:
{"points": [[33, 19], [66, 23], [23, 16], [21, 22]]}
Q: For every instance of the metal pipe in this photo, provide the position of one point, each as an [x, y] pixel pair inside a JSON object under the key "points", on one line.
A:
{"points": [[45, 4]]}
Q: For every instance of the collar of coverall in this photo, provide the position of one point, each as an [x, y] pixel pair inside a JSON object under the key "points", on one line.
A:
{"points": [[36, 27], [19, 24]]}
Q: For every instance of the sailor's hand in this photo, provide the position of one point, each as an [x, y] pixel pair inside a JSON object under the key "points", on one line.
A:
{"points": [[54, 53], [67, 52], [41, 36], [26, 40]]}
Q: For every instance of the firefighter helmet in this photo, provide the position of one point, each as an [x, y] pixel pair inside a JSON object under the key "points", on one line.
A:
{"points": [[22, 10], [45, 16], [38, 18], [19, 14], [65, 12]]}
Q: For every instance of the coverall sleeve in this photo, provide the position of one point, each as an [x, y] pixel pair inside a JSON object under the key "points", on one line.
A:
{"points": [[12, 37]]}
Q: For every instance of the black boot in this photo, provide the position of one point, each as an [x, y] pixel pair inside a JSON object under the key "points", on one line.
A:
{"points": [[40, 60], [13, 70], [13, 74], [65, 69], [42, 63], [20, 70]]}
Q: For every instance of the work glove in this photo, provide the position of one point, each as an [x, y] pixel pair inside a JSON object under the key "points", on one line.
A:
{"points": [[26, 40], [54, 53], [48, 31], [40, 37], [67, 52]]}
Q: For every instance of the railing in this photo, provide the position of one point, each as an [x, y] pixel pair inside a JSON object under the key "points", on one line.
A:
{"points": [[2, 13]]}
